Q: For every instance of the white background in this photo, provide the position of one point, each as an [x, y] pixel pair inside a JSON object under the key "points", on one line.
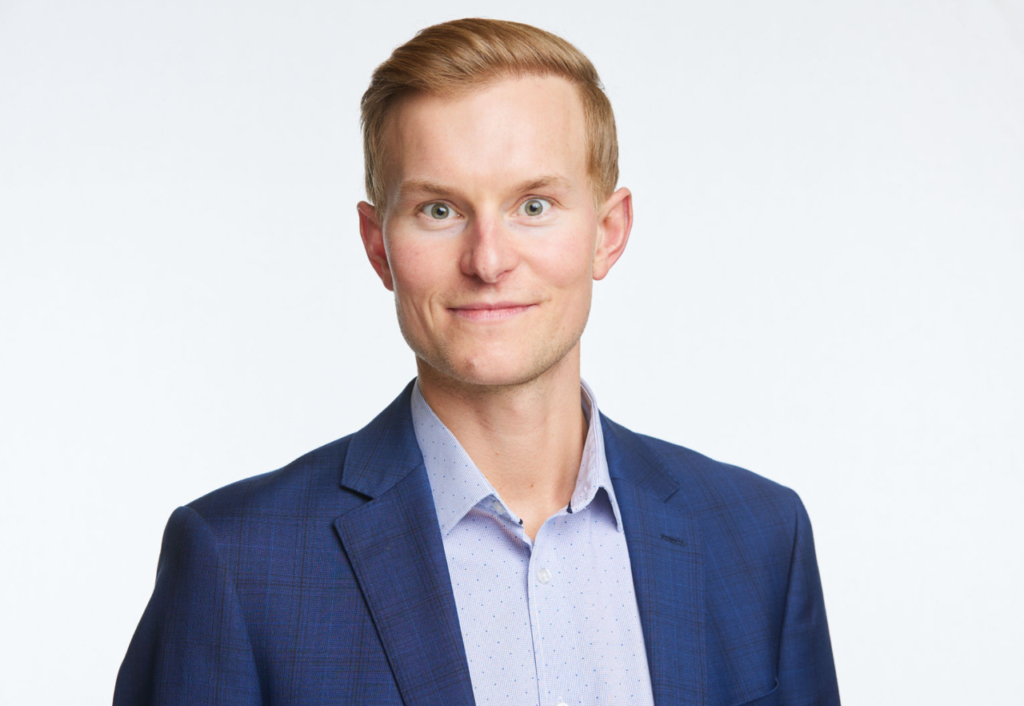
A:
{"points": [[824, 285]]}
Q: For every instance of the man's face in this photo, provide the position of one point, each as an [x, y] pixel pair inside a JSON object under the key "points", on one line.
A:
{"points": [[491, 240]]}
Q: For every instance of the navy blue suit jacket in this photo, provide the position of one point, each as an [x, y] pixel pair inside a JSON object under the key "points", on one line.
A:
{"points": [[325, 582]]}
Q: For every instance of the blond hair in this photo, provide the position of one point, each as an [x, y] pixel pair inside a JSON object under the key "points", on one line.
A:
{"points": [[458, 56]]}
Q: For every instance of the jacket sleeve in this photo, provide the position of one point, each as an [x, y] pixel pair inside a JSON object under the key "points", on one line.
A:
{"points": [[191, 646], [807, 673]]}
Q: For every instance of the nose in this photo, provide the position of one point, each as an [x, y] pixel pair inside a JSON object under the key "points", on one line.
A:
{"points": [[490, 250]]}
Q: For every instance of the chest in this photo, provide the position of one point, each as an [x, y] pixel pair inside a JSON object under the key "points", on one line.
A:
{"points": [[551, 621]]}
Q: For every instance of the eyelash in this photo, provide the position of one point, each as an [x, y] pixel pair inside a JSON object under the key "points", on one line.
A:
{"points": [[550, 205], [425, 209]]}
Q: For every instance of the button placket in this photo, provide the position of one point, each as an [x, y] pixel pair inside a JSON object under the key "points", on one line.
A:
{"points": [[534, 597]]}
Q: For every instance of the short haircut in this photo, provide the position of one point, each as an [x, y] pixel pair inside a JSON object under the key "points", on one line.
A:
{"points": [[456, 57]]}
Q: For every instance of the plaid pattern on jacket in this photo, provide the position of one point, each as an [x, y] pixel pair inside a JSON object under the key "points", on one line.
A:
{"points": [[325, 582]]}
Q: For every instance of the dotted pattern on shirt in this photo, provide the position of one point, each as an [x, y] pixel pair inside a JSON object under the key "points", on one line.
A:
{"points": [[546, 622]]}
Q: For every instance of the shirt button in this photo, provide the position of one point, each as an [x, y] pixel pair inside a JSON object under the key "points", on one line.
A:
{"points": [[544, 576], [498, 509], [562, 703]]}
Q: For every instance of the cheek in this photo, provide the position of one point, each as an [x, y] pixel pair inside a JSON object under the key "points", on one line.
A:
{"points": [[417, 267], [568, 263]]}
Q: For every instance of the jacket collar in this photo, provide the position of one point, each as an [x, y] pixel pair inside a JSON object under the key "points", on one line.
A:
{"points": [[384, 451]]}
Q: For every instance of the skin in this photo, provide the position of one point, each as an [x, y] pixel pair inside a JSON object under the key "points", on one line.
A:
{"points": [[491, 241]]}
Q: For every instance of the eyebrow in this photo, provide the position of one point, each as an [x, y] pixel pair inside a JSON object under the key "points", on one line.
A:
{"points": [[545, 182], [424, 186]]}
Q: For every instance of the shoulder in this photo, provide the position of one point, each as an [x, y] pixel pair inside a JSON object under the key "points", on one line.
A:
{"points": [[308, 488], [703, 480], [726, 498], [713, 482]]}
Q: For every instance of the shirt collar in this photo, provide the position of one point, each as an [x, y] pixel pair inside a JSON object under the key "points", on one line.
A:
{"points": [[458, 485]]}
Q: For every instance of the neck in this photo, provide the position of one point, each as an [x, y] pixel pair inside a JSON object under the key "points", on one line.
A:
{"points": [[527, 439]]}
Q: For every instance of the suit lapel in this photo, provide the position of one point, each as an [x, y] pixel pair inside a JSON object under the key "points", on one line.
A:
{"points": [[666, 555], [394, 546]]}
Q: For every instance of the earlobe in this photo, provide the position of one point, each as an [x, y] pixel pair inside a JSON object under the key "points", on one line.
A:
{"points": [[372, 232], [615, 221]]}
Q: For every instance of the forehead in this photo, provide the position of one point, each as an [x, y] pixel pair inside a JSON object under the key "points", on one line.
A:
{"points": [[506, 132]]}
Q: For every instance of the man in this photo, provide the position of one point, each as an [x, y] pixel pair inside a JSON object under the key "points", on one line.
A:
{"points": [[490, 537]]}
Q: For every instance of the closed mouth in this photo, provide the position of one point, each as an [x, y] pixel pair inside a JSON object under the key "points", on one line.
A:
{"points": [[498, 311]]}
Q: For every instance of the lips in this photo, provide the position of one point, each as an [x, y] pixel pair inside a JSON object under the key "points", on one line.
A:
{"points": [[485, 311]]}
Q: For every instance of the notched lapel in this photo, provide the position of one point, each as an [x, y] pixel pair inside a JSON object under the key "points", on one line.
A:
{"points": [[394, 546], [667, 558]]}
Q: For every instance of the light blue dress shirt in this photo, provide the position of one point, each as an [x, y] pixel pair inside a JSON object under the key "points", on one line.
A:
{"points": [[550, 622]]}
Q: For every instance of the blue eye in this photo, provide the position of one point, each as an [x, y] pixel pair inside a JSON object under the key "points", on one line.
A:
{"points": [[438, 211], [535, 207]]}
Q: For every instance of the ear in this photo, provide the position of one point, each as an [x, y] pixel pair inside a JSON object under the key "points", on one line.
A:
{"points": [[614, 221], [372, 232]]}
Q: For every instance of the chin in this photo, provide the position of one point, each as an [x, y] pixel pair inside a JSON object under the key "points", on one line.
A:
{"points": [[494, 371], [496, 366], [498, 362]]}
